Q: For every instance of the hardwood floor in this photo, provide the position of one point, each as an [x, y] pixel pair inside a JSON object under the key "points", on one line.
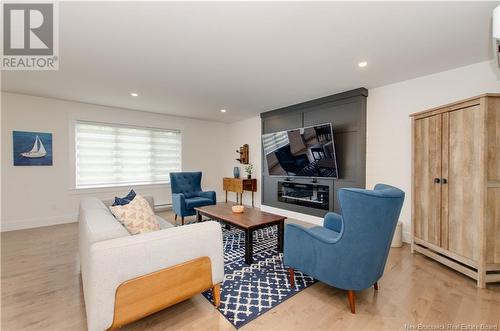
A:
{"points": [[41, 290]]}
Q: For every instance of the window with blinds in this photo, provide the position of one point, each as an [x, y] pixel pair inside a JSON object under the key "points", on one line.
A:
{"points": [[113, 155], [273, 141]]}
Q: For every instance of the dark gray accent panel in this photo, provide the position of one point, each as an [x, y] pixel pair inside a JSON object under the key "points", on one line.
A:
{"points": [[342, 184], [348, 150], [282, 122], [347, 113], [344, 115]]}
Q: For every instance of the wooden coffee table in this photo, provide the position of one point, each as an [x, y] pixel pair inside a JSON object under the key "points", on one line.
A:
{"points": [[250, 220]]}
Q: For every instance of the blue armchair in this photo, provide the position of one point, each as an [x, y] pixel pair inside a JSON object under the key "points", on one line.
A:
{"points": [[349, 251], [187, 194]]}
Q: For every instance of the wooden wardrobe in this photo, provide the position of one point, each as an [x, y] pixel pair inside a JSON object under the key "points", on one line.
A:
{"points": [[456, 186]]}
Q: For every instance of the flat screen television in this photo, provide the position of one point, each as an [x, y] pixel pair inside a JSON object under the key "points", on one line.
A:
{"points": [[304, 152]]}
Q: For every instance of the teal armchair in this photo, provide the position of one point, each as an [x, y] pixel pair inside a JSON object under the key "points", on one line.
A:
{"points": [[350, 250]]}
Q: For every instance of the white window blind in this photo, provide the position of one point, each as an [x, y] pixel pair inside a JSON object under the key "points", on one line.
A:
{"points": [[273, 141], [113, 155]]}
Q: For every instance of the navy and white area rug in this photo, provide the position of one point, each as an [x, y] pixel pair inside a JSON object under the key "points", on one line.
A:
{"points": [[250, 291]]}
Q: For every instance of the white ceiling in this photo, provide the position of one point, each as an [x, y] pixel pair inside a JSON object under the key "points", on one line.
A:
{"points": [[192, 59]]}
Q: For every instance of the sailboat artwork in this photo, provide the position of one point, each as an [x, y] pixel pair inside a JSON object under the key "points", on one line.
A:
{"points": [[32, 148], [37, 151]]}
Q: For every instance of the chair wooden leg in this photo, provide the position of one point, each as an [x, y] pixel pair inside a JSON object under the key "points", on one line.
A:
{"points": [[352, 298], [216, 295], [291, 277], [375, 286], [182, 220]]}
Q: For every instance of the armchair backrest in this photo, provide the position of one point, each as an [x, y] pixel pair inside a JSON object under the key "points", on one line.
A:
{"points": [[188, 183], [370, 218]]}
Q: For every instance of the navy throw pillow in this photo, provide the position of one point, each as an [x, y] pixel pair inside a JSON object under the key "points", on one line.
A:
{"points": [[125, 200]]}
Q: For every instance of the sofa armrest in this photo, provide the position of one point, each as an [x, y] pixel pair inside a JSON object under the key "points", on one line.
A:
{"points": [[179, 203], [115, 261], [209, 195], [333, 221]]}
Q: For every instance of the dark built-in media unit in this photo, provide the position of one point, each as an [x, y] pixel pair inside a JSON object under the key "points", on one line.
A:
{"points": [[307, 195], [297, 173]]}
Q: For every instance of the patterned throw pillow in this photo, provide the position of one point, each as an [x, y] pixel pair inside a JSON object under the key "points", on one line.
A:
{"points": [[136, 216]]}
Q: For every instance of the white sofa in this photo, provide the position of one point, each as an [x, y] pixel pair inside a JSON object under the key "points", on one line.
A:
{"points": [[110, 256]]}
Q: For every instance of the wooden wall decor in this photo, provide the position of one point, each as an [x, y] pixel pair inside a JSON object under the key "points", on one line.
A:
{"points": [[243, 154], [456, 186]]}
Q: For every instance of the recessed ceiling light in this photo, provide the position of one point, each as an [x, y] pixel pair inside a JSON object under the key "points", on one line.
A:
{"points": [[222, 110], [134, 94], [362, 64]]}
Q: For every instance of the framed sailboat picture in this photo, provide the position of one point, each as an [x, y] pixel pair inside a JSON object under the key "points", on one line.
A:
{"points": [[32, 148]]}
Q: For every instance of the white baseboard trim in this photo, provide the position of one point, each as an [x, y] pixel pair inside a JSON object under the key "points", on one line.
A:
{"points": [[292, 214], [12, 225]]}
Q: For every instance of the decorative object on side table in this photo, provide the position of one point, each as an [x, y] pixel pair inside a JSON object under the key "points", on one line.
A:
{"points": [[32, 148], [249, 170], [243, 154], [236, 172]]}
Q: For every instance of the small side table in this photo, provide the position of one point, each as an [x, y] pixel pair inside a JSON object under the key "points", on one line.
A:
{"points": [[238, 185]]}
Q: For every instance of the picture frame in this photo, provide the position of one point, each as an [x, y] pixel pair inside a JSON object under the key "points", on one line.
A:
{"points": [[32, 148]]}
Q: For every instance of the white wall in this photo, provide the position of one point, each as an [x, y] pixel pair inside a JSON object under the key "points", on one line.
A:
{"points": [[389, 126], [239, 133], [45, 195]]}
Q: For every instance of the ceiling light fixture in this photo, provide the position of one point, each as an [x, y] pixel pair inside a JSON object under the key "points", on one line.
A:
{"points": [[222, 110], [362, 64], [134, 94]]}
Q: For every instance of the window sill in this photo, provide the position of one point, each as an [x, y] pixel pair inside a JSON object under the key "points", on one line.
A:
{"points": [[116, 188]]}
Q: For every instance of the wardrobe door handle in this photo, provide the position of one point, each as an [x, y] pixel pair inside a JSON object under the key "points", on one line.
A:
{"points": [[445, 181], [437, 180]]}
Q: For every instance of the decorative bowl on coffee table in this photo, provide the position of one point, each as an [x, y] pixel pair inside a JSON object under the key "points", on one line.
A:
{"points": [[238, 209]]}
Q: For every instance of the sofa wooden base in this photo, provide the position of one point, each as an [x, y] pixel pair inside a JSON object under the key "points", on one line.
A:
{"points": [[145, 295]]}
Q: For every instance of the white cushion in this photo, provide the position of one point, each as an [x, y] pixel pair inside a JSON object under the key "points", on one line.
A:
{"points": [[97, 222]]}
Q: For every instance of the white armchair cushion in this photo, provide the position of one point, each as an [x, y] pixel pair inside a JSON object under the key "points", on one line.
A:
{"points": [[137, 216]]}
